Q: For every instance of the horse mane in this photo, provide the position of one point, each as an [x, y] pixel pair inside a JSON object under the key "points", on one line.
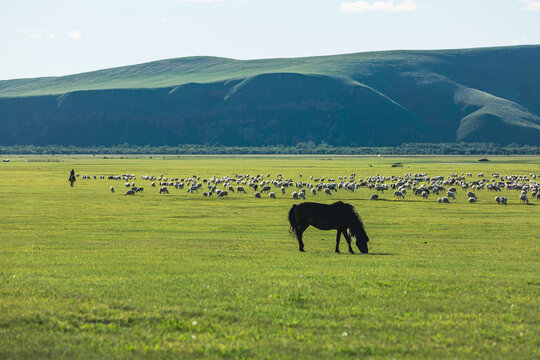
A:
{"points": [[354, 214], [357, 224]]}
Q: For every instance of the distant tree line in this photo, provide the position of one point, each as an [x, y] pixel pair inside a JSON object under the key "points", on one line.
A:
{"points": [[301, 148]]}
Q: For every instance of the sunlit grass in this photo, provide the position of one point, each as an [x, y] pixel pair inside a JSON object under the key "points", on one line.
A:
{"points": [[90, 274]]}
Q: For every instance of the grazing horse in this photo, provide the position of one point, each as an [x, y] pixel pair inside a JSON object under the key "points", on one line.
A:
{"points": [[339, 215]]}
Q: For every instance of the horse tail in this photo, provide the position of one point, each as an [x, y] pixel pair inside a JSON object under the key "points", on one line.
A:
{"points": [[292, 220]]}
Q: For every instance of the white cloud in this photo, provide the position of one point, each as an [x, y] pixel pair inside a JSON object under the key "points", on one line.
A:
{"points": [[38, 34], [198, 1], [205, 1], [522, 41], [45, 34], [531, 5], [75, 34], [364, 6]]}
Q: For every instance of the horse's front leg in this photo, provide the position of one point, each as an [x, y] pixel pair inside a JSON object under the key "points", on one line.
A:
{"points": [[338, 237], [348, 238]]}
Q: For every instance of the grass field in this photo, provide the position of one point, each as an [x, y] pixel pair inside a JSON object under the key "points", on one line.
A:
{"points": [[89, 274]]}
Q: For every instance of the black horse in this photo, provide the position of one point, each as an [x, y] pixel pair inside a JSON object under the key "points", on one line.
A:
{"points": [[339, 215]]}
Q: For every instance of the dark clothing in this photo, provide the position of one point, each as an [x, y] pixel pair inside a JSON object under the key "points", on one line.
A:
{"points": [[72, 177]]}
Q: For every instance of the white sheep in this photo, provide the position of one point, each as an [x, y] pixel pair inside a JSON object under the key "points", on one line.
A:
{"points": [[399, 194]]}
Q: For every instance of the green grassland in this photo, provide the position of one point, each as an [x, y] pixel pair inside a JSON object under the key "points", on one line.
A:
{"points": [[203, 69], [89, 274]]}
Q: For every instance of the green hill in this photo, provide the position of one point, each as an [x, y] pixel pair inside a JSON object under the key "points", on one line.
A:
{"points": [[377, 98]]}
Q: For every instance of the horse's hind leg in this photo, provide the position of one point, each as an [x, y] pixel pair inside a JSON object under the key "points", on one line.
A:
{"points": [[338, 237], [299, 231], [300, 242], [348, 238]]}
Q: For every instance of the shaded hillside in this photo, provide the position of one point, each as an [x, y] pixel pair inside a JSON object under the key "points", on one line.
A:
{"points": [[366, 99], [262, 110]]}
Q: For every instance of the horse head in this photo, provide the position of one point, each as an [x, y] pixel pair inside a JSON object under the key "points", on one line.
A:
{"points": [[356, 229]]}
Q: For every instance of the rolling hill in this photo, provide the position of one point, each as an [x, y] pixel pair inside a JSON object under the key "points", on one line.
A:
{"points": [[364, 99]]}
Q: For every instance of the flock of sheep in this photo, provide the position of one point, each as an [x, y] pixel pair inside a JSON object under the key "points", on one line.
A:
{"points": [[420, 185]]}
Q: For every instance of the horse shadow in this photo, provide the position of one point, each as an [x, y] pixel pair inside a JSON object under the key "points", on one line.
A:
{"points": [[368, 254]]}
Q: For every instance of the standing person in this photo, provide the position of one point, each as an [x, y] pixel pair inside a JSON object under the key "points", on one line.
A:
{"points": [[72, 177]]}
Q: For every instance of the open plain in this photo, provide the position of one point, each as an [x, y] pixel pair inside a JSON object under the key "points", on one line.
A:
{"points": [[86, 273]]}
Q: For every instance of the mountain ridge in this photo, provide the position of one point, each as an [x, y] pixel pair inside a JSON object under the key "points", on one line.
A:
{"points": [[323, 65], [426, 96]]}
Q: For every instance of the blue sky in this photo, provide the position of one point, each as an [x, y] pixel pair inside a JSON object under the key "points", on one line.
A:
{"points": [[58, 37]]}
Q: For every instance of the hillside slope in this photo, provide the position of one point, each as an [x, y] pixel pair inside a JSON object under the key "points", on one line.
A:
{"points": [[379, 98], [260, 110]]}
